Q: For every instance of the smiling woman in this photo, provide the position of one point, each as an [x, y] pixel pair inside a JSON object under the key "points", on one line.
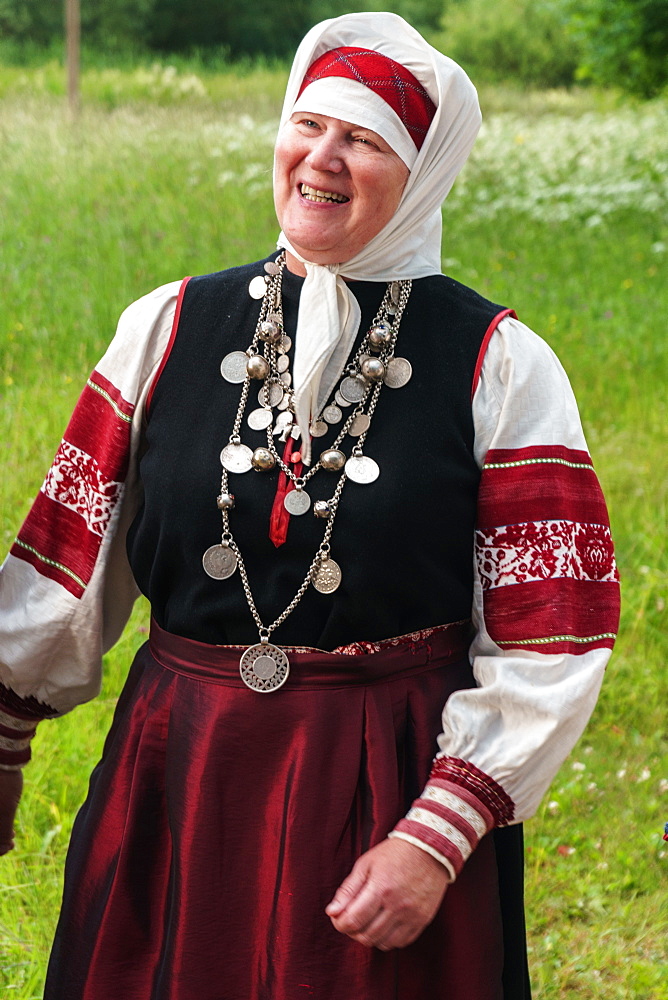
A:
{"points": [[336, 185], [318, 766]]}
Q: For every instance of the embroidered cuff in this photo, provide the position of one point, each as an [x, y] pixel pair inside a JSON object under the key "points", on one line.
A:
{"points": [[18, 722], [459, 805]]}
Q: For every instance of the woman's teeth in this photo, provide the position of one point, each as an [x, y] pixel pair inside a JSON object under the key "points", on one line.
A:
{"points": [[314, 194]]}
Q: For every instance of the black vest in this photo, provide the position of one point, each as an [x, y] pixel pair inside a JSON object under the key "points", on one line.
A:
{"points": [[404, 543]]}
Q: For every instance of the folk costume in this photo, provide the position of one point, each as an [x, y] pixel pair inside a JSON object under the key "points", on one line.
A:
{"points": [[466, 563]]}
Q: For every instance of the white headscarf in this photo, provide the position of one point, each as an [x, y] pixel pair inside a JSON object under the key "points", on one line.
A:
{"points": [[409, 245]]}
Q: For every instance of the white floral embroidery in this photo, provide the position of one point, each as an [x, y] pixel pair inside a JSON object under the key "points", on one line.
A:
{"points": [[75, 480], [544, 550]]}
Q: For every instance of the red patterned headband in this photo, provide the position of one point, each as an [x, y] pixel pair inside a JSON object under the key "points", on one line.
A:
{"points": [[387, 78]]}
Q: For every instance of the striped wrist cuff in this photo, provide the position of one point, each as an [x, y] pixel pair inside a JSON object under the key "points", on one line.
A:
{"points": [[15, 737], [450, 817]]}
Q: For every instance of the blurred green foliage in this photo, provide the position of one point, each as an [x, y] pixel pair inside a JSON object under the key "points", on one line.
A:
{"points": [[550, 43], [523, 40], [624, 43]]}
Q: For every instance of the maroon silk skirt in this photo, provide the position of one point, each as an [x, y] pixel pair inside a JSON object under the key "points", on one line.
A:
{"points": [[220, 822]]}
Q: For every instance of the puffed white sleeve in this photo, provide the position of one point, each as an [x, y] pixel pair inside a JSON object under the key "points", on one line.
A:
{"points": [[66, 589], [545, 608]]}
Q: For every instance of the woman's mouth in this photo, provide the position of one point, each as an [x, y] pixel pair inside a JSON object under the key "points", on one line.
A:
{"points": [[315, 194]]}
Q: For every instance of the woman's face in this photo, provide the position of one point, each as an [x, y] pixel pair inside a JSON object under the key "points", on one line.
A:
{"points": [[335, 186]]}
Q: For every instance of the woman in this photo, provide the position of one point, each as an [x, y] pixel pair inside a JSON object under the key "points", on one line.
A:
{"points": [[268, 821]]}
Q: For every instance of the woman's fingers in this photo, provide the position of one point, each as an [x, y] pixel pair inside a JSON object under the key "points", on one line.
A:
{"points": [[348, 889], [11, 784], [391, 895]]}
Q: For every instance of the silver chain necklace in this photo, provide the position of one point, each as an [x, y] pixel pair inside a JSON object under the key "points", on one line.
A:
{"points": [[264, 666]]}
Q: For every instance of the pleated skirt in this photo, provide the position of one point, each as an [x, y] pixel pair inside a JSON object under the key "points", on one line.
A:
{"points": [[220, 822]]}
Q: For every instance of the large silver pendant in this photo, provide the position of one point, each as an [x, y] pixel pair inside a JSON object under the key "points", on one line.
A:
{"points": [[326, 576], [237, 458], [233, 367], [297, 501], [219, 562], [398, 373], [257, 286], [362, 469], [264, 667]]}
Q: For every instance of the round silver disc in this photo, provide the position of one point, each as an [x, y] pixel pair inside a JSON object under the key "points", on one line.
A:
{"points": [[362, 469], [283, 402], [219, 561], [327, 577], [271, 268], [259, 420], [257, 287], [395, 292], [318, 428], [284, 344], [332, 414], [297, 502], [341, 400], [270, 394], [264, 667], [236, 458], [283, 362], [398, 373], [352, 389], [286, 378], [233, 367], [360, 423]]}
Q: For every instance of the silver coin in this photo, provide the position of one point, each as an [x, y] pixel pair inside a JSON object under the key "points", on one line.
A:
{"points": [[284, 402], [271, 268], [362, 469], [259, 420], [264, 667], [270, 394], [284, 344], [233, 367], [236, 458], [341, 400], [327, 576], [286, 378], [395, 291], [283, 363], [219, 562], [257, 286], [353, 389], [360, 423], [297, 502], [332, 414], [398, 373], [318, 428]]}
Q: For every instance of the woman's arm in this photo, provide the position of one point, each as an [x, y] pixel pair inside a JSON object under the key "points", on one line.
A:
{"points": [[66, 589], [546, 606]]}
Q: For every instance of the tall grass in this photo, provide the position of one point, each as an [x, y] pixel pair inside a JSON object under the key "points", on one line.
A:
{"points": [[561, 215]]}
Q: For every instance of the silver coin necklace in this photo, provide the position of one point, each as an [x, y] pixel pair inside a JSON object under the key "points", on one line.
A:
{"points": [[265, 667]]}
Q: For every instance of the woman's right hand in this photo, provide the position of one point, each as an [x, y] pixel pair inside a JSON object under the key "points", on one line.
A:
{"points": [[11, 786]]}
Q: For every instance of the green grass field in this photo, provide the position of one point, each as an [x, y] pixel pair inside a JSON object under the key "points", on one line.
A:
{"points": [[561, 214]]}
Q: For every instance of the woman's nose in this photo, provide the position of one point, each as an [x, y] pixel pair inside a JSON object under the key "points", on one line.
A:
{"points": [[326, 154]]}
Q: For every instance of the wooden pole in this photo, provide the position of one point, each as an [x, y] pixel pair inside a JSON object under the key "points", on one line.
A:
{"points": [[73, 34]]}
